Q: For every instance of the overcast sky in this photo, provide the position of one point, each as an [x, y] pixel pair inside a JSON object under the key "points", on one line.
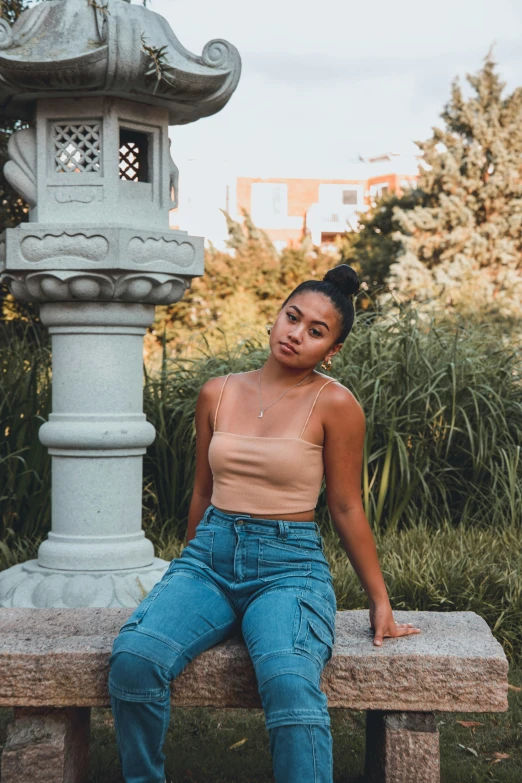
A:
{"points": [[323, 82]]}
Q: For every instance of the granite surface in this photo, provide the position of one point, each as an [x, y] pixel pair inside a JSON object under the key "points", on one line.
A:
{"points": [[60, 657]]}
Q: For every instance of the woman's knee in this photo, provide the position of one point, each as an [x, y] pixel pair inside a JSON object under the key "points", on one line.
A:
{"points": [[134, 677], [289, 686]]}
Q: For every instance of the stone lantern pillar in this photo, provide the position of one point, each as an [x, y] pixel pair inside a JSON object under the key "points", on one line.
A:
{"points": [[99, 84]]}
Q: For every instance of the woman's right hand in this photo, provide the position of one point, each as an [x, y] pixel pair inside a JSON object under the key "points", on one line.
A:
{"points": [[383, 623]]}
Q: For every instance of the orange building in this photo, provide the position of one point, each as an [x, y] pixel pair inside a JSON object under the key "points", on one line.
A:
{"points": [[287, 208]]}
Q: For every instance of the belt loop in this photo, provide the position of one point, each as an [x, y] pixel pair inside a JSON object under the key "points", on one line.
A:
{"points": [[207, 514], [283, 528]]}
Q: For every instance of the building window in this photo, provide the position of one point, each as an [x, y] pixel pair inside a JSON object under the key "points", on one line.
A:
{"points": [[269, 201], [349, 197], [77, 148], [134, 156], [379, 190]]}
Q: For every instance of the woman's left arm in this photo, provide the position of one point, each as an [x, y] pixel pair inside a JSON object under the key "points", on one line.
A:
{"points": [[344, 432]]}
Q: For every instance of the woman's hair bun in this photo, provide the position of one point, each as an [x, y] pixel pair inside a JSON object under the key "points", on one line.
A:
{"points": [[344, 277]]}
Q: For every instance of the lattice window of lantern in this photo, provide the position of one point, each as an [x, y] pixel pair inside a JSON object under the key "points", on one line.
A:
{"points": [[134, 156], [77, 148]]}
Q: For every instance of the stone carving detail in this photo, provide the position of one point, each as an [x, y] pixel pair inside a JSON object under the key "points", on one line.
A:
{"points": [[173, 181], [82, 194], [77, 148], [147, 251], [20, 169], [6, 37], [28, 584], [65, 246], [67, 285]]}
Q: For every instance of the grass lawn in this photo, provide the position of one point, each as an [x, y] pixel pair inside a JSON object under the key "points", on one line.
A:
{"points": [[199, 746], [464, 570]]}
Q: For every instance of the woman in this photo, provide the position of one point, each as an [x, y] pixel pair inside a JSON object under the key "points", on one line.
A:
{"points": [[255, 557]]}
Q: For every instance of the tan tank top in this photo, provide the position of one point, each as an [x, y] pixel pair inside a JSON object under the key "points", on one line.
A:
{"points": [[262, 475]]}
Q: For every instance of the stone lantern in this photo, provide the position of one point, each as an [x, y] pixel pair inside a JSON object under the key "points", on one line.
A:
{"points": [[98, 82]]}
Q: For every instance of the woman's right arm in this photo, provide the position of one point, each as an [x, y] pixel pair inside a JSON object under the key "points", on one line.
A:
{"points": [[203, 480]]}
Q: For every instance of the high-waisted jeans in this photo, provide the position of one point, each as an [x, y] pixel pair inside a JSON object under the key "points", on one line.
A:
{"points": [[270, 579]]}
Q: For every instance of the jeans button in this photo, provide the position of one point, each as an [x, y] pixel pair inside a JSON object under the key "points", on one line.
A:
{"points": [[240, 521]]}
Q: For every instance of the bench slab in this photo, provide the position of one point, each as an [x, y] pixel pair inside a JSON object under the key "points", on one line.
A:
{"points": [[59, 658]]}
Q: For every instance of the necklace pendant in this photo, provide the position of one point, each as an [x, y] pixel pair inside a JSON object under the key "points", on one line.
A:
{"points": [[260, 415]]}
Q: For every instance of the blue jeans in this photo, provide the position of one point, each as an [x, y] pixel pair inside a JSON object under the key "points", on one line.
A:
{"points": [[270, 579]]}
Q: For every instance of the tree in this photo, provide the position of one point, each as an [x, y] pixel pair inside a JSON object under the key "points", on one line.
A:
{"points": [[457, 240], [377, 244], [241, 290]]}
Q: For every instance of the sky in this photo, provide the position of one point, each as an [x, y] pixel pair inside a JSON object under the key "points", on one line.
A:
{"points": [[324, 82]]}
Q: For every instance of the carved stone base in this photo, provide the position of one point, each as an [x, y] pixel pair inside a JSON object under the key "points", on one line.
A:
{"points": [[29, 585]]}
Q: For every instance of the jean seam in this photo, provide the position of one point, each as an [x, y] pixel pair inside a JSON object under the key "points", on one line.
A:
{"points": [[312, 719], [271, 576], [290, 671], [326, 617], [147, 697], [273, 654], [147, 655], [144, 606], [296, 590], [312, 742], [116, 722], [282, 546], [160, 638], [196, 641], [163, 730], [303, 646], [208, 548]]}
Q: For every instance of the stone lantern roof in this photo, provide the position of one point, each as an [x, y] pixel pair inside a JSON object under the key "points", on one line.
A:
{"points": [[81, 48]]}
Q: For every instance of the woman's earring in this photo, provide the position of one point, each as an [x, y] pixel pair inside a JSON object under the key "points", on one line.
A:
{"points": [[268, 327], [327, 366]]}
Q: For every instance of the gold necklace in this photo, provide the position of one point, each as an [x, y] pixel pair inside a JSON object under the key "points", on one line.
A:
{"points": [[281, 395]]}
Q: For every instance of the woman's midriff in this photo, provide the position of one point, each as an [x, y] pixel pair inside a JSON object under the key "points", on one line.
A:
{"points": [[301, 516]]}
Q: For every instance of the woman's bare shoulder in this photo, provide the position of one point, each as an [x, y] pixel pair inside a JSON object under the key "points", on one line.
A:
{"points": [[238, 378], [213, 386], [338, 399]]}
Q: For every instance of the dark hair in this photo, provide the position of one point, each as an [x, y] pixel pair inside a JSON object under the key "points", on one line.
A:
{"points": [[339, 284]]}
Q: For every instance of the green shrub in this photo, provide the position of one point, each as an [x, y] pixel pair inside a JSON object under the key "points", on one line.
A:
{"points": [[443, 406], [25, 404]]}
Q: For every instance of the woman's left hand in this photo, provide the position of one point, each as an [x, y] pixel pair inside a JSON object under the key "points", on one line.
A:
{"points": [[382, 622]]}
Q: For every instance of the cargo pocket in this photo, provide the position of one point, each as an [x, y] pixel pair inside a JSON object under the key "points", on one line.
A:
{"points": [[143, 607], [277, 560], [315, 629]]}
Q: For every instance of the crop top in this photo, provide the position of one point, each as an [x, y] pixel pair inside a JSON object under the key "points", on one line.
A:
{"points": [[262, 475]]}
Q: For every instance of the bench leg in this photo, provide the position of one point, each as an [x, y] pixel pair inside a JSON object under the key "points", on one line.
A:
{"points": [[401, 747], [47, 745]]}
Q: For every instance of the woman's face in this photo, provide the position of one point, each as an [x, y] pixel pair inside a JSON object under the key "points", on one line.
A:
{"points": [[310, 325]]}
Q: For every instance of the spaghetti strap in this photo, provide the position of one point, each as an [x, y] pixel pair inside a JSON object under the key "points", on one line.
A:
{"points": [[220, 393], [332, 380]]}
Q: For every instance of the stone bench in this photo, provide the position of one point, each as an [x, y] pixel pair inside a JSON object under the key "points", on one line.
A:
{"points": [[54, 668]]}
